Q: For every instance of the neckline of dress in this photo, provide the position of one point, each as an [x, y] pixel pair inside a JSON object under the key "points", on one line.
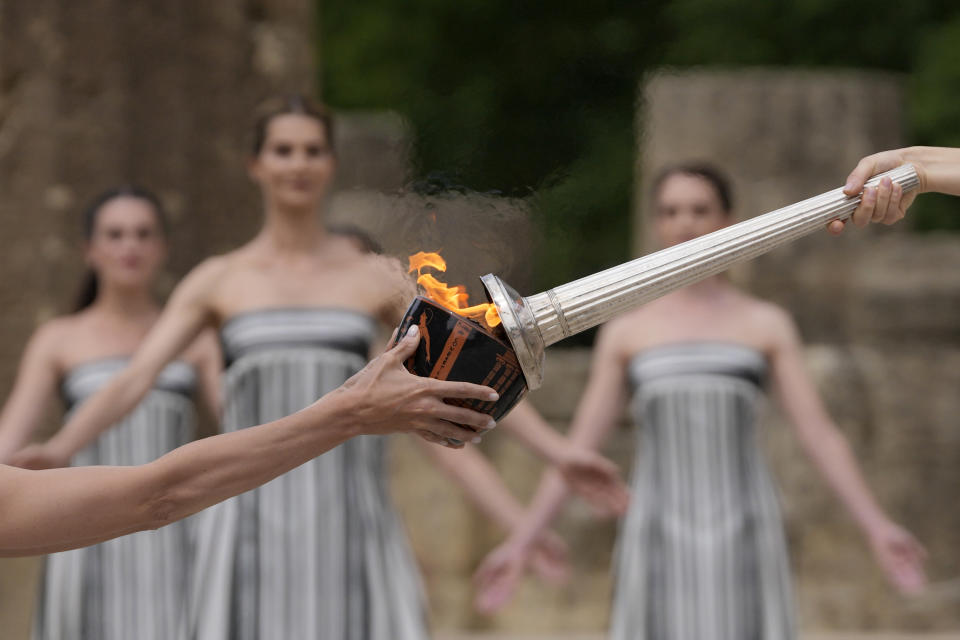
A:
{"points": [[698, 344], [120, 358], [295, 309]]}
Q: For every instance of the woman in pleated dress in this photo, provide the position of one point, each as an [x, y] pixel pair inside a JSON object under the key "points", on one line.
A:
{"points": [[701, 552], [319, 552], [133, 586]]}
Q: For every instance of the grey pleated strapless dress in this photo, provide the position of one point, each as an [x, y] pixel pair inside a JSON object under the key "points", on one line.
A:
{"points": [[701, 553], [318, 553], [134, 586]]}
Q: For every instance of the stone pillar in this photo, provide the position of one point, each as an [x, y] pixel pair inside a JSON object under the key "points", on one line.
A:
{"points": [[97, 93]]}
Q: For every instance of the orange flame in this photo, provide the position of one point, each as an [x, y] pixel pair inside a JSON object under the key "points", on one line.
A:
{"points": [[454, 298]]}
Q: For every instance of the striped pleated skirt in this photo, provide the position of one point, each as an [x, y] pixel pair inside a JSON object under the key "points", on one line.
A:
{"points": [[701, 554], [318, 553], [135, 586]]}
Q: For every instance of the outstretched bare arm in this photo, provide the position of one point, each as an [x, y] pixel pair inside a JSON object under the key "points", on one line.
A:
{"points": [[58, 509]]}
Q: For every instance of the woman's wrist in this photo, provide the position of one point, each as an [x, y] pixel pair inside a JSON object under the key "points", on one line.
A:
{"points": [[523, 536], [59, 448], [938, 168], [872, 521], [336, 413]]}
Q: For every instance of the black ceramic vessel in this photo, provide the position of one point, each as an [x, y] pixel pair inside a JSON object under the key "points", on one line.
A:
{"points": [[455, 348]]}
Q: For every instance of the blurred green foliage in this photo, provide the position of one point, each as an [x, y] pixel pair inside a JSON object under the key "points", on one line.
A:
{"points": [[537, 98]]}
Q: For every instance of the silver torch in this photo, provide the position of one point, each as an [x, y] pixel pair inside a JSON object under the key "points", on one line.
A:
{"points": [[510, 357]]}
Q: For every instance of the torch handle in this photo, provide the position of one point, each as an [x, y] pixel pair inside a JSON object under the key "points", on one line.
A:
{"points": [[595, 299]]}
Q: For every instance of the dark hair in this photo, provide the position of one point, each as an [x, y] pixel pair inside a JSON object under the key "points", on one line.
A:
{"points": [[283, 105], [364, 240], [91, 285], [716, 178]]}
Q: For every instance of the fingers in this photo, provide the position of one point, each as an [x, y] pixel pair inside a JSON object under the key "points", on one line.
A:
{"points": [[598, 481], [497, 590], [864, 211], [899, 203], [408, 345], [884, 203], [462, 390], [860, 174], [893, 211], [497, 579], [494, 564], [607, 503], [466, 417], [883, 191], [836, 227], [901, 557], [446, 431], [433, 438], [869, 167]]}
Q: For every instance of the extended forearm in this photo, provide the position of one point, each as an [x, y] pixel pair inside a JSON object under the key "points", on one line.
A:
{"points": [[528, 426], [205, 472], [546, 503], [831, 453], [594, 418], [13, 436], [107, 407], [66, 508], [480, 482]]}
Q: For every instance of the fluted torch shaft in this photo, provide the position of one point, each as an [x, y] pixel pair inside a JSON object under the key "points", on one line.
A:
{"points": [[590, 301]]}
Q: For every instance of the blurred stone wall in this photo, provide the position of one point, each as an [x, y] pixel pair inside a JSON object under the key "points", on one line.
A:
{"points": [[97, 94], [93, 94]]}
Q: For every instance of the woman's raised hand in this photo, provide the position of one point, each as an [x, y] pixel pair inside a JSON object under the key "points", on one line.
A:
{"points": [[885, 203], [595, 479], [499, 575], [385, 398], [938, 169], [900, 556]]}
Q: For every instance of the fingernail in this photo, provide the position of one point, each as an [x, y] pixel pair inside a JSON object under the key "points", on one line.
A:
{"points": [[413, 331], [887, 182], [476, 440], [493, 396], [491, 423], [849, 186]]}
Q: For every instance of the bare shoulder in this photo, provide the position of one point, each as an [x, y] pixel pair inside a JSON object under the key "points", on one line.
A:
{"points": [[58, 329], [617, 337], [215, 267], [391, 273], [769, 321], [619, 327], [52, 339], [205, 278], [631, 326], [384, 264]]}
